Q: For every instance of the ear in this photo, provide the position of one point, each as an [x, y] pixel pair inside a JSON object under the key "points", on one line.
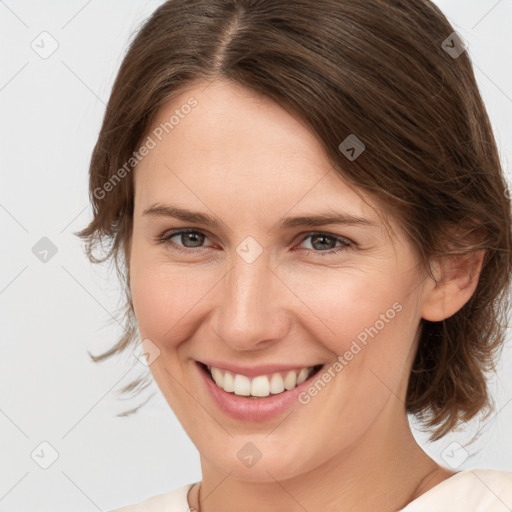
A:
{"points": [[457, 278]]}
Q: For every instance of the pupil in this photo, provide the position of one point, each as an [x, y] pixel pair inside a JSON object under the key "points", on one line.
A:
{"points": [[198, 242], [321, 237]]}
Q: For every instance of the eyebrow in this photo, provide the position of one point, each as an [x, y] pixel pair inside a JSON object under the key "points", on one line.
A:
{"points": [[320, 219]]}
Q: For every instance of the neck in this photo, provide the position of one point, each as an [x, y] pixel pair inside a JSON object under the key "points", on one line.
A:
{"points": [[384, 470]]}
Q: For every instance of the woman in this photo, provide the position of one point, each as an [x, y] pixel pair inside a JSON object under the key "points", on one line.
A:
{"points": [[305, 202]]}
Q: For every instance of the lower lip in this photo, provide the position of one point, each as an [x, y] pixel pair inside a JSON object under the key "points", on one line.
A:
{"points": [[253, 409]]}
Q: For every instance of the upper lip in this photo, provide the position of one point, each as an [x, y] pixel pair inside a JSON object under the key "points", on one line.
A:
{"points": [[254, 371]]}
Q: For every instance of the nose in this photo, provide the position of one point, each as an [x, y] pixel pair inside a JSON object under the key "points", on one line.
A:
{"points": [[253, 305]]}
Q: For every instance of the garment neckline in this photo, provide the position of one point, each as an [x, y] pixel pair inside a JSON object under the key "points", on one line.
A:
{"points": [[416, 501], [426, 495], [435, 489]]}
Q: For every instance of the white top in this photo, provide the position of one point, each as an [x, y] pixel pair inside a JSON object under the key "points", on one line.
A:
{"points": [[472, 490]]}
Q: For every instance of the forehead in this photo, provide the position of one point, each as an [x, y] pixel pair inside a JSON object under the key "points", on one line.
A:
{"points": [[238, 146]]}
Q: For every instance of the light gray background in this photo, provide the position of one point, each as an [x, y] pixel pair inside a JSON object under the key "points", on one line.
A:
{"points": [[52, 312]]}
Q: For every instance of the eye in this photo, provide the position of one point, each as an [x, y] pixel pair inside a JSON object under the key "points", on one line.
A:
{"points": [[323, 244], [321, 240], [186, 236]]}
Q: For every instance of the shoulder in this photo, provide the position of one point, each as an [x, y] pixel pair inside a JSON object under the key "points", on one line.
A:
{"points": [[475, 490], [174, 501]]}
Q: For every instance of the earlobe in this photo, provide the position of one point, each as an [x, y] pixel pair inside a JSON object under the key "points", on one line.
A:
{"points": [[457, 278]]}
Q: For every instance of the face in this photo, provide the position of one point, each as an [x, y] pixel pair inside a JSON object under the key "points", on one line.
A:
{"points": [[258, 294]]}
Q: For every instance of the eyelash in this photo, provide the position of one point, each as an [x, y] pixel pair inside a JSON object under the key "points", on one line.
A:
{"points": [[346, 243]]}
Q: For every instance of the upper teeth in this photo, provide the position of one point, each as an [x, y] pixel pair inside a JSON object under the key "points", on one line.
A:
{"points": [[261, 385]]}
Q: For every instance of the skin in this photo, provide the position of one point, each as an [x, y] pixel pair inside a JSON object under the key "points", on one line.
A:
{"points": [[243, 158]]}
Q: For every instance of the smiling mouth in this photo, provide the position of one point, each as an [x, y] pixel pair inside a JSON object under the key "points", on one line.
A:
{"points": [[261, 386]]}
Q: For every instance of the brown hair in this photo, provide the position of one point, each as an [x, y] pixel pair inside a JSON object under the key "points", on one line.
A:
{"points": [[377, 69]]}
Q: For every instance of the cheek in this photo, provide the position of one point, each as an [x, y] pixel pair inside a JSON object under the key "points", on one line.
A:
{"points": [[165, 297], [343, 306], [367, 321]]}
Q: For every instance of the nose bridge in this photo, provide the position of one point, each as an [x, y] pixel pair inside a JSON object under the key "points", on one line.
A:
{"points": [[249, 310]]}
